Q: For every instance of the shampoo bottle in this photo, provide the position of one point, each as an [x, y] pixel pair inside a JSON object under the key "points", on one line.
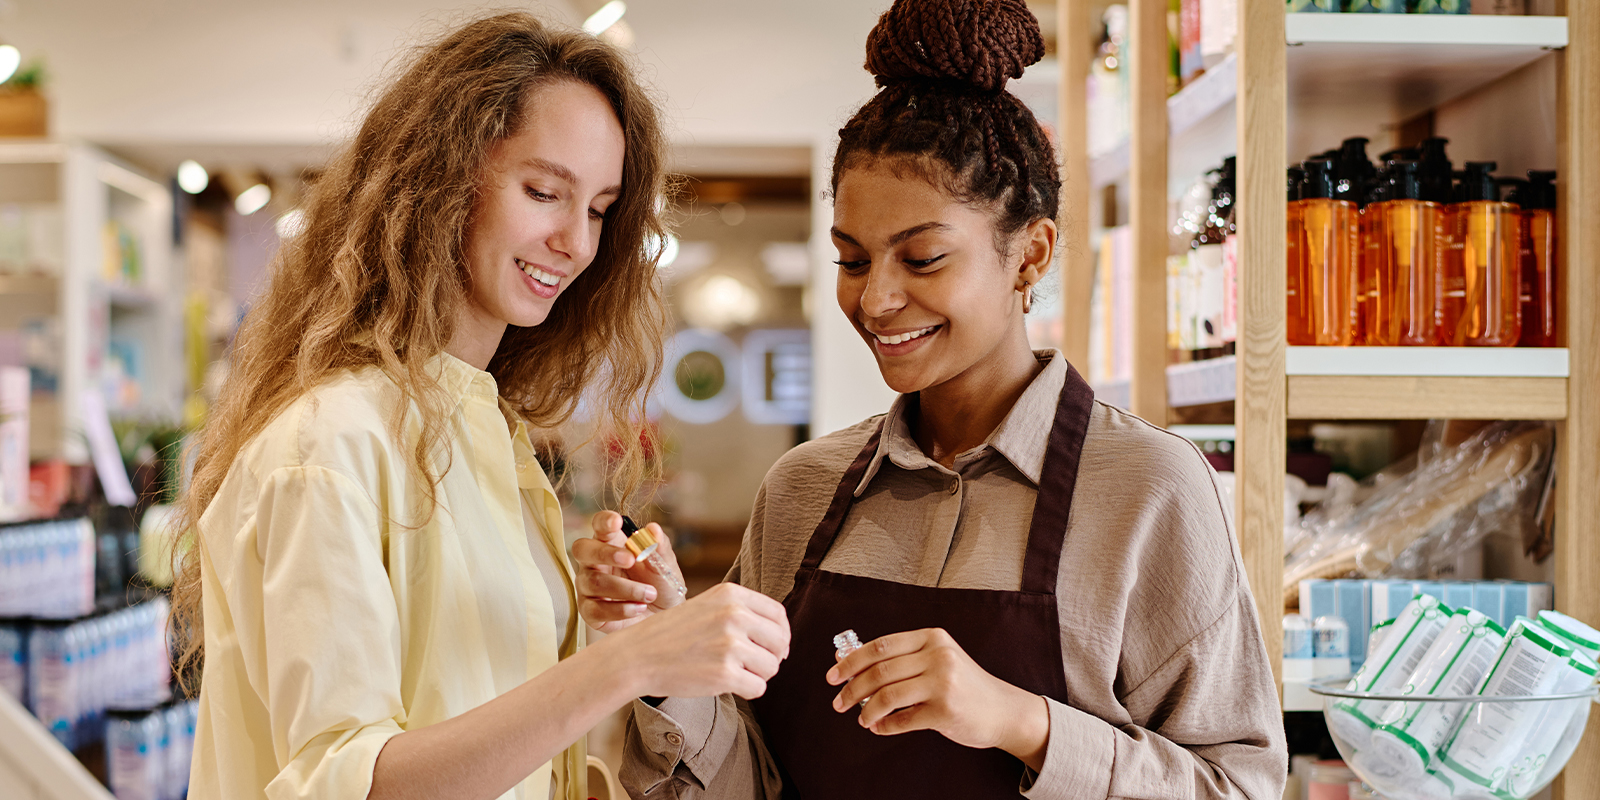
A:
{"points": [[1541, 310], [1488, 232], [1407, 232], [1299, 311], [1328, 241]]}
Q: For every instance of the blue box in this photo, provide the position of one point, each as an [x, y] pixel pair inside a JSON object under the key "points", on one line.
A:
{"points": [[1459, 594], [1489, 598]]}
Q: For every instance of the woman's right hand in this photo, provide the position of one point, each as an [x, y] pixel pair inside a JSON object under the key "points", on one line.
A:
{"points": [[616, 590], [728, 639]]}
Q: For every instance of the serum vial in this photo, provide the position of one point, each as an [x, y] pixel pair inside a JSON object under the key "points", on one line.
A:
{"points": [[643, 546]]}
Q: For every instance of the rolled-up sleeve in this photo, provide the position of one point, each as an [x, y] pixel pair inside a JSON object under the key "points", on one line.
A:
{"points": [[327, 657], [1209, 728]]}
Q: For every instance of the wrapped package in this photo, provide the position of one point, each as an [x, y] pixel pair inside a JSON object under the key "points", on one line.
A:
{"points": [[1427, 509]]}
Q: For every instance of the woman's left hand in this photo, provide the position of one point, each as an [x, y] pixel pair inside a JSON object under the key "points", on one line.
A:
{"points": [[923, 680]]}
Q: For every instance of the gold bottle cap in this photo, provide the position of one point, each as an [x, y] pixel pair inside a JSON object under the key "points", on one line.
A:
{"points": [[641, 544]]}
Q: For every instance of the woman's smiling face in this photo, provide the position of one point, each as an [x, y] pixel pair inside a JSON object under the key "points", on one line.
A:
{"points": [[920, 277], [542, 208]]}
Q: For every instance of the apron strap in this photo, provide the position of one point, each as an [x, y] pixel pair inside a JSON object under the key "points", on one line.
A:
{"points": [[828, 528], [1057, 481]]}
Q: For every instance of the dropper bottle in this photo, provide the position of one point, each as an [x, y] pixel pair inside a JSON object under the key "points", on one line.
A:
{"points": [[1407, 232], [1540, 310], [1329, 242], [1490, 312], [643, 545]]}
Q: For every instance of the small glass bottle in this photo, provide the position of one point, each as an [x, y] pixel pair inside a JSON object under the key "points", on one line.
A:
{"points": [[1329, 240], [644, 547], [1488, 233], [1541, 310]]}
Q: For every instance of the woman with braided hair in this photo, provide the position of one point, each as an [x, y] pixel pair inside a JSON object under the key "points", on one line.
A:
{"points": [[1048, 587]]}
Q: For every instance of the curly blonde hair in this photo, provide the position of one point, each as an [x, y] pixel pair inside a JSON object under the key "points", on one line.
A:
{"points": [[378, 274]]}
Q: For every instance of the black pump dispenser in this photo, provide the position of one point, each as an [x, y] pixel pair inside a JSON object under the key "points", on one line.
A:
{"points": [[1541, 189], [1404, 181], [1433, 169], [1477, 182], [1318, 182], [1354, 172]]}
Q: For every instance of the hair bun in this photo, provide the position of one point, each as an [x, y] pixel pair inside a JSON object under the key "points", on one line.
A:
{"points": [[980, 43]]}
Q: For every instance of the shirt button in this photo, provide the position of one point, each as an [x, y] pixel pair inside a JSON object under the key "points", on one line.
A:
{"points": [[674, 739], [955, 486]]}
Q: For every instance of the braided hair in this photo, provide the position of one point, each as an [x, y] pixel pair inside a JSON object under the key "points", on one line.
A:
{"points": [[943, 112]]}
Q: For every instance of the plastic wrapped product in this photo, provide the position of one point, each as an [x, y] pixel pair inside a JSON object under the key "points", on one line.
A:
{"points": [[1380, 630], [1574, 632], [1493, 735], [1388, 669], [1555, 735], [1408, 742], [1297, 637]]}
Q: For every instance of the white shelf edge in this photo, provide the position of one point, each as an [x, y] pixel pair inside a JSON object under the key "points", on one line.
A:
{"points": [[1426, 29], [1435, 362], [1206, 433], [1204, 96], [1202, 382]]}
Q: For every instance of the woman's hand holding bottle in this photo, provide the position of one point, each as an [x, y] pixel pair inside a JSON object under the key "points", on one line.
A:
{"points": [[728, 639], [923, 680], [615, 588]]}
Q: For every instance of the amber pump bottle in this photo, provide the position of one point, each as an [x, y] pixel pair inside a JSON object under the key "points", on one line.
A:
{"points": [[1328, 242], [1540, 310], [1299, 311], [1404, 262], [1487, 232]]}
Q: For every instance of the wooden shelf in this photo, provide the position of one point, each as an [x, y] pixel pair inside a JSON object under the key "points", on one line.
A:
{"points": [[1417, 397], [1301, 84]]}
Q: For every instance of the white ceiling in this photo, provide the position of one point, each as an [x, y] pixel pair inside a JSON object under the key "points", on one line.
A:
{"points": [[276, 84]]}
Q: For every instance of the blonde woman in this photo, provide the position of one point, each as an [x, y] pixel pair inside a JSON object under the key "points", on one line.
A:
{"points": [[379, 589]]}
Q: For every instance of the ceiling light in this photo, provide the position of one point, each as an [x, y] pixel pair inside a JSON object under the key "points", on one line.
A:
{"points": [[10, 59], [252, 199], [605, 17], [192, 177]]}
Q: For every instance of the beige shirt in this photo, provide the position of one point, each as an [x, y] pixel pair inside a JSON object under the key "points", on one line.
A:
{"points": [[337, 615], [1170, 693]]}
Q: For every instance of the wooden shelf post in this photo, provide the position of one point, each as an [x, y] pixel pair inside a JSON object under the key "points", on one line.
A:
{"points": [[1148, 207], [1578, 507], [1261, 406], [1074, 34]]}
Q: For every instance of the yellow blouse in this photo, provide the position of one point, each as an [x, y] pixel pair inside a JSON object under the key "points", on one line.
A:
{"points": [[336, 616]]}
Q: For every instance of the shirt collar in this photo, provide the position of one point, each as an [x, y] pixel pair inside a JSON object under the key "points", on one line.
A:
{"points": [[460, 379], [1021, 437]]}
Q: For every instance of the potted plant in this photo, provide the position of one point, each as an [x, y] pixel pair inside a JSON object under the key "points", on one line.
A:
{"points": [[23, 111]]}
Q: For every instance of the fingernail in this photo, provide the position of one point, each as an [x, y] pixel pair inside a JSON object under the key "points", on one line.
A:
{"points": [[833, 675], [622, 559], [649, 595], [838, 703]]}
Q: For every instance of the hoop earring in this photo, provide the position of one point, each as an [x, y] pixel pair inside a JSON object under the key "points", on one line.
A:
{"points": [[1027, 298]]}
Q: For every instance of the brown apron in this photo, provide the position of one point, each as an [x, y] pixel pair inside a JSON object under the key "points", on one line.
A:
{"points": [[1015, 636]]}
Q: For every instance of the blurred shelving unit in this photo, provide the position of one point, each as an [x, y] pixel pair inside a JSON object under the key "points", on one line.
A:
{"points": [[107, 291], [1294, 83]]}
